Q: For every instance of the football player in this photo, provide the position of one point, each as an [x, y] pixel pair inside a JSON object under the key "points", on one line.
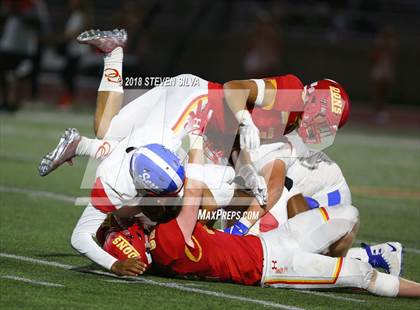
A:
{"points": [[134, 170], [287, 257], [266, 110]]}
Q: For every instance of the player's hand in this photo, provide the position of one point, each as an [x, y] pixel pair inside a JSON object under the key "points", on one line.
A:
{"points": [[238, 229], [129, 267], [249, 135], [258, 187], [254, 182], [197, 120]]}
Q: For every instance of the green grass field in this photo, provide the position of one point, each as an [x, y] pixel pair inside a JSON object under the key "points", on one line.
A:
{"points": [[39, 269]]}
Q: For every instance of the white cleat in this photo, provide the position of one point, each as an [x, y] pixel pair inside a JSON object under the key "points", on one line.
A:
{"points": [[388, 256], [63, 152], [104, 40]]}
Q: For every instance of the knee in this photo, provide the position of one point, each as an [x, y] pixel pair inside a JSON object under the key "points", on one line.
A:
{"points": [[348, 213], [352, 214], [356, 273]]}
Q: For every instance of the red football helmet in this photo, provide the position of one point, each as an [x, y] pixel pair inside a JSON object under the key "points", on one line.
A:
{"points": [[132, 242], [326, 108]]}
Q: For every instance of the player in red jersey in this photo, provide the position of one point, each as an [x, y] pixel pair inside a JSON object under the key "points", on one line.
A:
{"points": [[288, 257], [266, 110]]}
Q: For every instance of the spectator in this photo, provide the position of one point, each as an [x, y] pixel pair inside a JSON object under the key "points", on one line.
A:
{"points": [[383, 70], [264, 49], [78, 21], [18, 47]]}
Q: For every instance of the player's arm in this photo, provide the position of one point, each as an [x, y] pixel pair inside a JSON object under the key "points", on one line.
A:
{"points": [[194, 185], [193, 191], [242, 93], [82, 240], [239, 95], [85, 232]]}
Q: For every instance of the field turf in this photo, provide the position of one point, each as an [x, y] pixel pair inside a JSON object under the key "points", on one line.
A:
{"points": [[39, 269]]}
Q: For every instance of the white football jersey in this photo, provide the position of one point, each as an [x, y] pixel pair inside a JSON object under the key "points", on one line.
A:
{"points": [[167, 105], [114, 171], [315, 174]]}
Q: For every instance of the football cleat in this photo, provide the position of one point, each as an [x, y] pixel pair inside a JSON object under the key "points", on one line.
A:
{"points": [[388, 256], [63, 152], [104, 40]]}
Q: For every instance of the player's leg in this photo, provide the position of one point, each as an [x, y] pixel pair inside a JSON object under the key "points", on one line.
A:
{"points": [[274, 175], [110, 92], [72, 144], [291, 268], [331, 230], [316, 230], [342, 246], [111, 121]]}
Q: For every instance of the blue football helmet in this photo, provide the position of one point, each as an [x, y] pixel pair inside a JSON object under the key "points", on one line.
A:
{"points": [[157, 170]]}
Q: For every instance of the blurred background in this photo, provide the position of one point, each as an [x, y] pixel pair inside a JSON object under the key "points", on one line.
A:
{"points": [[371, 47]]}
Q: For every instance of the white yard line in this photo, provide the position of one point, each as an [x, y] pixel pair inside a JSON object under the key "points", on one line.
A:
{"points": [[412, 250], [13, 131], [81, 119], [31, 281], [20, 157], [152, 282], [330, 295], [37, 193], [372, 141]]}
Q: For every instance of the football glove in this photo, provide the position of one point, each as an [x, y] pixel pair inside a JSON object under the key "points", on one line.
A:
{"points": [[249, 135], [238, 229], [255, 183]]}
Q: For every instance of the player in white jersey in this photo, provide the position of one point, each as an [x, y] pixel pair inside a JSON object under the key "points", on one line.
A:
{"points": [[142, 164], [141, 138], [269, 108], [318, 178], [169, 103]]}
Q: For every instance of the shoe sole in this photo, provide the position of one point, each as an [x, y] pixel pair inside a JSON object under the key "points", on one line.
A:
{"points": [[47, 162]]}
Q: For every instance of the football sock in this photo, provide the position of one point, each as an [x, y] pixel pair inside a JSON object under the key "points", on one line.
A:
{"points": [[95, 148], [384, 285], [112, 75]]}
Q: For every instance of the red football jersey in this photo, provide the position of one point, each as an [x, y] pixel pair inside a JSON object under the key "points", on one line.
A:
{"points": [[282, 115], [273, 121], [215, 255]]}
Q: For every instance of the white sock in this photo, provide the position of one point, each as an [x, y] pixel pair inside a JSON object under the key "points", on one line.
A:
{"points": [[112, 79], [95, 148], [358, 253], [384, 285]]}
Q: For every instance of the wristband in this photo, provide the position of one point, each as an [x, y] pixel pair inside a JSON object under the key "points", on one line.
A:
{"points": [[260, 91], [244, 117], [245, 222], [195, 172], [196, 142]]}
